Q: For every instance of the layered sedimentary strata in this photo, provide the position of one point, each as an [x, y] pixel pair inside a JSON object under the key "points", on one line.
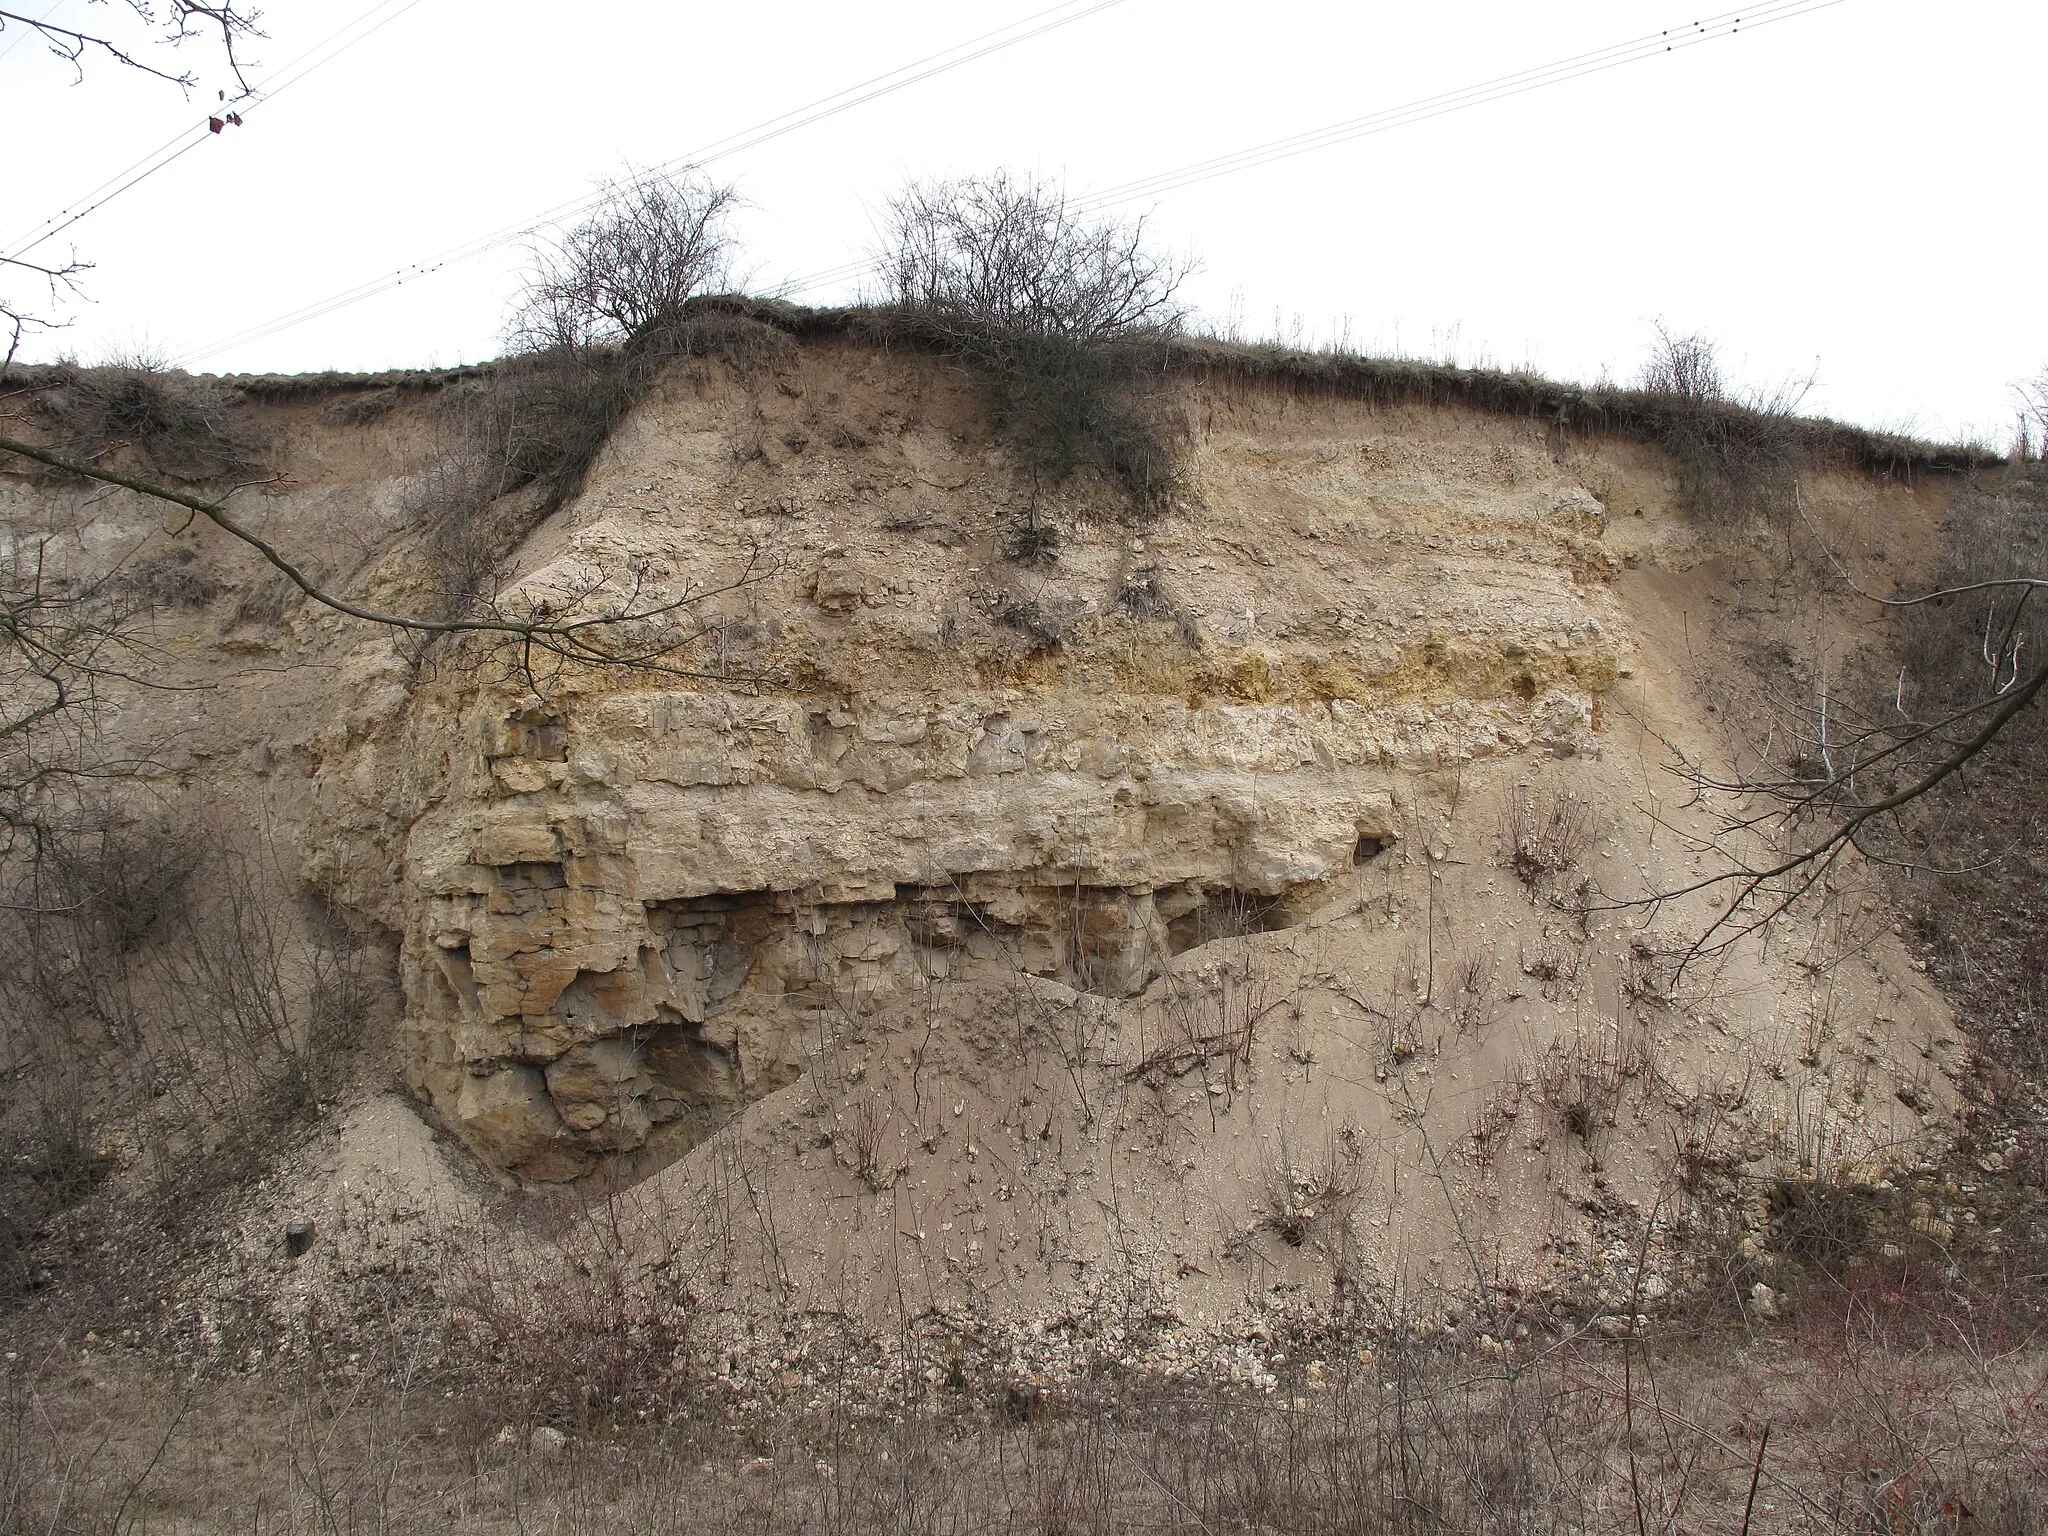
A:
{"points": [[618, 951], [934, 759]]}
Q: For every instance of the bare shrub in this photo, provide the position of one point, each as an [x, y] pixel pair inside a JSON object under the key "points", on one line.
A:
{"points": [[566, 1323], [246, 1017], [653, 243], [1582, 1078], [1494, 1119], [1313, 1201], [1200, 1027], [118, 880], [1046, 630], [1735, 457], [180, 426], [1013, 255], [1543, 837], [172, 579], [1705, 1136], [152, 981], [1822, 1222], [1033, 543], [516, 445], [1684, 367], [1863, 1424], [1145, 598], [1054, 308], [1555, 963], [1552, 962], [79, 902], [1647, 974], [860, 1138], [1958, 650], [50, 1158], [515, 448], [605, 309], [1471, 999]]}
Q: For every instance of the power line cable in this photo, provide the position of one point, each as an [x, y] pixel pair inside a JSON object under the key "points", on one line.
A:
{"points": [[1035, 25], [27, 30], [1650, 45], [188, 139]]}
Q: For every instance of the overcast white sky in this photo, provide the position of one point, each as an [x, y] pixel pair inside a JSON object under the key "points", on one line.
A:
{"points": [[1857, 188]]}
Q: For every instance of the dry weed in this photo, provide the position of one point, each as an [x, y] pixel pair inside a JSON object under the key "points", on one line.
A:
{"points": [[1314, 1201], [860, 1137], [1543, 837], [1582, 1079]]}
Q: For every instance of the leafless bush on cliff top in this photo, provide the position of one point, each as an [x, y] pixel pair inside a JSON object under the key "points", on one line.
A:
{"points": [[1014, 255], [606, 307], [1051, 303], [653, 243], [1736, 456], [1684, 367], [177, 425]]}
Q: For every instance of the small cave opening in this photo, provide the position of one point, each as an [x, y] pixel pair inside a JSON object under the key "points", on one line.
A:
{"points": [[696, 1072], [456, 978], [532, 876], [536, 734], [1225, 912], [1367, 848]]}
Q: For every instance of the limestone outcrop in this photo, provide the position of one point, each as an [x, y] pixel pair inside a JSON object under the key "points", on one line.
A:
{"points": [[920, 758], [1160, 924]]}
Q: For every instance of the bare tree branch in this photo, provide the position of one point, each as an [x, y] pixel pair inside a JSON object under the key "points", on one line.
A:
{"points": [[602, 639], [19, 319], [1813, 860], [181, 21], [164, 23], [1858, 767], [1012, 255], [654, 243]]}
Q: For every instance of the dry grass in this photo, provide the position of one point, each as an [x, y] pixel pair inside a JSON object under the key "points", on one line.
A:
{"points": [[1642, 415], [1875, 1414], [1582, 1078], [179, 426], [1543, 834]]}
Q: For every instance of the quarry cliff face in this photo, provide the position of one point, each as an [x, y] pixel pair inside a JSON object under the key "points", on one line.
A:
{"points": [[1180, 916], [920, 759]]}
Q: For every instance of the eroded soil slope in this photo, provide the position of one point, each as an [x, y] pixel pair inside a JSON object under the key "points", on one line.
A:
{"points": [[1174, 921]]}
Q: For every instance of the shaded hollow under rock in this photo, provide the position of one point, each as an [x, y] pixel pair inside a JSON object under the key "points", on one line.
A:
{"points": [[707, 1017]]}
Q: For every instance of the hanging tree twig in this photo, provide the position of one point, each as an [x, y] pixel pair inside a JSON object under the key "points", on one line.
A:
{"points": [[610, 638]]}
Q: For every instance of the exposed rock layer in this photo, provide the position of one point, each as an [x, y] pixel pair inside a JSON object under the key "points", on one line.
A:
{"points": [[936, 761]]}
